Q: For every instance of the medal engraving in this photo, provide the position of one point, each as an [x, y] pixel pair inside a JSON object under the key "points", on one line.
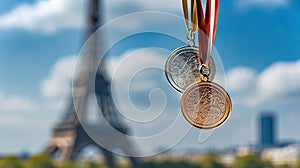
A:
{"points": [[205, 105], [182, 68]]}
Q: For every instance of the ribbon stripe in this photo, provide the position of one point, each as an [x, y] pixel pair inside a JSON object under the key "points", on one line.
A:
{"points": [[193, 24], [207, 25]]}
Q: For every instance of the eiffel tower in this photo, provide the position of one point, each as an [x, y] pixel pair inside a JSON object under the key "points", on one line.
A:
{"points": [[69, 136]]}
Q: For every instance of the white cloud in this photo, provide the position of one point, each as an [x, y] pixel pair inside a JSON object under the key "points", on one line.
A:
{"points": [[18, 110], [47, 16], [244, 76], [278, 84], [133, 61], [280, 80], [16, 103], [58, 82], [263, 3], [284, 74], [13, 121], [34, 118], [119, 7], [53, 15]]}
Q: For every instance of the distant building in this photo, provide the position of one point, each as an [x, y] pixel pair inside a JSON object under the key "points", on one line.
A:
{"points": [[245, 150], [23, 155], [282, 155], [267, 130], [227, 159]]}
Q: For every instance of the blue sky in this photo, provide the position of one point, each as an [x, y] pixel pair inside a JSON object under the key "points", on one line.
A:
{"points": [[257, 40]]}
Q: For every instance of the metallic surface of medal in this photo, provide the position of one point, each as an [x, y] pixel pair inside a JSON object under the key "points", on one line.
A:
{"points": [[205, 105], [182, 68]]}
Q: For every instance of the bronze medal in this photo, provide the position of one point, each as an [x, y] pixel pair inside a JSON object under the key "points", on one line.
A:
{"points": [[205, 105]]}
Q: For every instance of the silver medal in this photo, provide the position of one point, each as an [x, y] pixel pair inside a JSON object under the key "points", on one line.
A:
{"points": [[183, 68]]}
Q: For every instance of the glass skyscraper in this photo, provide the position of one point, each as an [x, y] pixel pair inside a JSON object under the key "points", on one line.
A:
{"points": [[267, 130]]}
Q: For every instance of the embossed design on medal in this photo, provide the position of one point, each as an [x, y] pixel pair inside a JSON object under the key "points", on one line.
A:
{"points": [[182, 67], [205, 105]]}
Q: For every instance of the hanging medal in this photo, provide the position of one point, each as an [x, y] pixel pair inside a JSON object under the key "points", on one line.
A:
{"points": [[205, 104], [182, 66]]}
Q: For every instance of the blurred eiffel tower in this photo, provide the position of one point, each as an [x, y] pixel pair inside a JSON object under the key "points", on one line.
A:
{"points": [[69, 136]]}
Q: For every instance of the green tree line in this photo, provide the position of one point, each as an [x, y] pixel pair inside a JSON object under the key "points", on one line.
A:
{"points": [[208, 161]]}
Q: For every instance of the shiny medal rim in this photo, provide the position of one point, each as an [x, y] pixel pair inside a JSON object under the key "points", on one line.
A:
{"points": [[228, 108], [171, 58]]}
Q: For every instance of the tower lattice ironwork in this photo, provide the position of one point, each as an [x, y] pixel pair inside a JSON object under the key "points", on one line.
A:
{"points": [[69, 136]]}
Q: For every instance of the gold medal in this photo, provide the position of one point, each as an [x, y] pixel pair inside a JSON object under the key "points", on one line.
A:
{"points": [[205, 105]]}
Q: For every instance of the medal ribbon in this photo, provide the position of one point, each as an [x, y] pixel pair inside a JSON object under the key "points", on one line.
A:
{"points": [[207, 25], [193, 24]]}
